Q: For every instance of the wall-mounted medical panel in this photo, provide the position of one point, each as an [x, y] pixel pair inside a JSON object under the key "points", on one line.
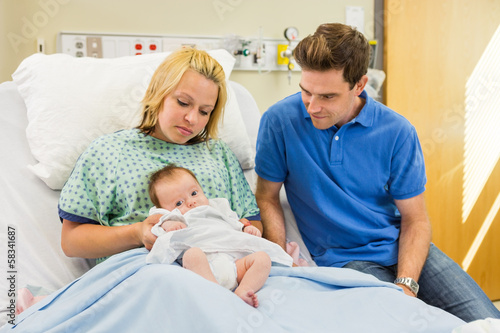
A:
{"points": [[251, 53]]}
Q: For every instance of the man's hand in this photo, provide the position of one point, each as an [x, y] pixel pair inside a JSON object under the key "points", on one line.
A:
{"points": [[407, 290]]}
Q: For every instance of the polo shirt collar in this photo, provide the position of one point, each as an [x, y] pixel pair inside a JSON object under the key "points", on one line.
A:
{"points": [[365, 116]]}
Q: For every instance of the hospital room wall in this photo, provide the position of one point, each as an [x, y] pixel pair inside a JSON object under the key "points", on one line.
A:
{"points": [[23, 21], [432, 50]]}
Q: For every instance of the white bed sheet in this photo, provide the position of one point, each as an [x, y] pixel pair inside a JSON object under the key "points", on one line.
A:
{"points": [[25, 198]]}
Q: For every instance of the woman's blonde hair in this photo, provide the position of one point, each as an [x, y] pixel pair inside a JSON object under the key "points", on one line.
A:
{"points": [[166, 78]]}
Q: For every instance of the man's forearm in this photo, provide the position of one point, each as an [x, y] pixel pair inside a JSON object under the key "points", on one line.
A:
{"points": [[414, 239], [414, 246], [271, 212], [273, 222]]}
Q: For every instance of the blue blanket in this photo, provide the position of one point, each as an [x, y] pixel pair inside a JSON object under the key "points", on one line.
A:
{"points": [[124, 294]]}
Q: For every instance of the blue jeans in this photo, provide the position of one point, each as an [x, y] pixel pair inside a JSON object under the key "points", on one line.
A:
{"points": [[443, 284]]}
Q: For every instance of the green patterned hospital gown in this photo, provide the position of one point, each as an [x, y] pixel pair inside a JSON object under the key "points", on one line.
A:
{"points": [[109, 184]]}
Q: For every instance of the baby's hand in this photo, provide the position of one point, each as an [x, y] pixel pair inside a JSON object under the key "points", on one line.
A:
{"points": [[172, 225], [252, 231]]}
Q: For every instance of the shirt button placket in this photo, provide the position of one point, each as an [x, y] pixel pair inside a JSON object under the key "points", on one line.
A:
{"points": [[336, 150]]}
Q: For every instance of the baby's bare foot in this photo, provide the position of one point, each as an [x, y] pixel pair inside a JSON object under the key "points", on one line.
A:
{"points": [[248, 296]]}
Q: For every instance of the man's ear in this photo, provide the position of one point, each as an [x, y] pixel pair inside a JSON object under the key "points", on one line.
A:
{"points": [[360, 85]]}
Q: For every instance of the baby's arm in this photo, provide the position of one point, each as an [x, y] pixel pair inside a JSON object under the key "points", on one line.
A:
{"points": [[173, 225], [252, 230], [249, 228]]}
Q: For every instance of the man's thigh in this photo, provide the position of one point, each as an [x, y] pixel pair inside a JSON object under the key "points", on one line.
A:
{"points": [[444, 284], [383, 273]]}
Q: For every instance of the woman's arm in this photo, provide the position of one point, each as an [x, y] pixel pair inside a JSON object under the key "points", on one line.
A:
{"points": [[95, 241]]}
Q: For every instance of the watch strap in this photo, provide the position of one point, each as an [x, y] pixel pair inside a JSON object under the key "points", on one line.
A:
{"points": [[409, 282]]}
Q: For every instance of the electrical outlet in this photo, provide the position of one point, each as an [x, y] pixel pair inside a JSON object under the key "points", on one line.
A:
{"points": [[40, 45], [94, 47]]}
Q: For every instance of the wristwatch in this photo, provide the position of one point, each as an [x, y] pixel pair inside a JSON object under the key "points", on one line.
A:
{"points": [[409, 282]]}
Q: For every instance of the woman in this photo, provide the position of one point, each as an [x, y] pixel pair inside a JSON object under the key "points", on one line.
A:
{"points": [[104, 205]]}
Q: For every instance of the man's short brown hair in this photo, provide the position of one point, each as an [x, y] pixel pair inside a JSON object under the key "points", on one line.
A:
{"points": [[335, 46]]}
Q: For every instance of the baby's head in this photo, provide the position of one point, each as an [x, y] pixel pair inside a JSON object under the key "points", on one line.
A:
{"points": [[175, 187]]}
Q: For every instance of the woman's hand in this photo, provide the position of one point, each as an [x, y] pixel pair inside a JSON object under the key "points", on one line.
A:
{"points": [[145, 235]]}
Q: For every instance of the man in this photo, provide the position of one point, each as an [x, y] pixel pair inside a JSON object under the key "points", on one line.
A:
{"points": [[354, 176]]}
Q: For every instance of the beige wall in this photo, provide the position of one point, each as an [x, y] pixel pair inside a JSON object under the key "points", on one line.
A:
{"points": [[23, 21], [432, 49], [4, 48]]}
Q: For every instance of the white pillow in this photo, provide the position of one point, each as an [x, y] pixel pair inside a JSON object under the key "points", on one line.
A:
{"points": [[71, 101], [233, 131]]}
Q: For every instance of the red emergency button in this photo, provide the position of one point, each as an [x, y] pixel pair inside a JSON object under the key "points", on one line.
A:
{"points": [[138, 46], [152, 47]]}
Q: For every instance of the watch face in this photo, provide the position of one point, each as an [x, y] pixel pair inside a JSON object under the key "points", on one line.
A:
{"points": [[291, 33]]}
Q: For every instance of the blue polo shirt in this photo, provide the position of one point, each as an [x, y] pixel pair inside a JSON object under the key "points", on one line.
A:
{"points": [[341, 183]]}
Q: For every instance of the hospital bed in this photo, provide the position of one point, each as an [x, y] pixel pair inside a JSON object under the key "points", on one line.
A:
{"points": [[49, 113]]}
